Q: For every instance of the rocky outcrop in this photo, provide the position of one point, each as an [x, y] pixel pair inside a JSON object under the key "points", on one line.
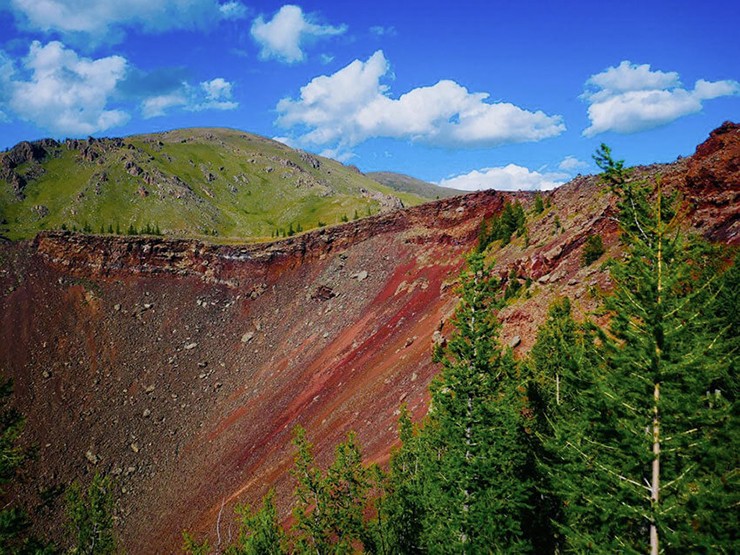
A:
{"points": [[23, 153], [712, 184], [387, 202]]}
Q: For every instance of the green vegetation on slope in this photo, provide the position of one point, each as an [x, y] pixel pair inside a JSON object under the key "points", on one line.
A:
{"points": [[188, 182]]}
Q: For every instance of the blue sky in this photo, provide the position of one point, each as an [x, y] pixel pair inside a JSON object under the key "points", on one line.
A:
{"points": [[469, 94]]}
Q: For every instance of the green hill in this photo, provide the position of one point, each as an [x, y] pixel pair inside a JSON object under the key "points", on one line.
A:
{"points": [[407, 184], [190, 182]]}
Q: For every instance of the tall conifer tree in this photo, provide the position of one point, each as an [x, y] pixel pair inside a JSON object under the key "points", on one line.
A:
{"points": [[476, 490], [647, 451]]}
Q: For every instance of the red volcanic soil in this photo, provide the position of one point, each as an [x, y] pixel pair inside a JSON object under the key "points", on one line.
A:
{"points": [[180, 368]]}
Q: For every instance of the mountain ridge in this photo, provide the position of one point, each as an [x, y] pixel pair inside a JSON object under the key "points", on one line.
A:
{"points": [[409, 184], [197, 182]]}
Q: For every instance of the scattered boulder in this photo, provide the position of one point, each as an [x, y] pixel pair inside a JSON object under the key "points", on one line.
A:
{"points": [[247, 337], [323, 293], [41, 211], [438, 339], [132, 169], [310, 160]]}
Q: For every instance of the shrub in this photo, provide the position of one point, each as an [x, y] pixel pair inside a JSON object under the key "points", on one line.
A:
{"points": [[511, 220], [539, 205], [592, 250]]}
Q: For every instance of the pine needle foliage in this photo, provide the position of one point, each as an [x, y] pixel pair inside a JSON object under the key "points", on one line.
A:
{"points": [[645, 456], [330, 507], [15, 526], [512, 220], [460, 481], [90, 517], [260, 532]]}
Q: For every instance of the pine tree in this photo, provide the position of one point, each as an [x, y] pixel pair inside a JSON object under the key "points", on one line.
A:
{"points": [[347, 485], [483, 236], [90, 515], [562, 352], [329, 510], [592, 250], [310, 509], [511, 220], [647, 450], [539, 205], [191, 546], [13, 521], [476, 488], [401, 513], [559, 363], [259, 532]]}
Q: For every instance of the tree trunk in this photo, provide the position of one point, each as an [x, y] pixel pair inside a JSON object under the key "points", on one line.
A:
{"points": [[655, 484]]}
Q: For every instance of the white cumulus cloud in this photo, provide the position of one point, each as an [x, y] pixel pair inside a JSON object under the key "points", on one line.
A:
{"points": [[285, 34], [352, 105], [571, 164], [106, 19], [215, 94], [505, 178], [158, 105], [218, 95], [233, 10], [58, 90], [630, 98], [66, 93]]}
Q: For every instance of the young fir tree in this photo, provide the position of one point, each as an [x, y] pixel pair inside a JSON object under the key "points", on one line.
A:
{"points": [[330, 507], [560, 364], [560, 358], [310, 527], [401, 513], [647, 450], [90, 516], [260, 532], [13, 521], [539, 205], [476, 488], [15, 526], [347, 482]]}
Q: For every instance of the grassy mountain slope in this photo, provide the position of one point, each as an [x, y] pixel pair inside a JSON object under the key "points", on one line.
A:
{"points": [[407, 184], [188, 182]]}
